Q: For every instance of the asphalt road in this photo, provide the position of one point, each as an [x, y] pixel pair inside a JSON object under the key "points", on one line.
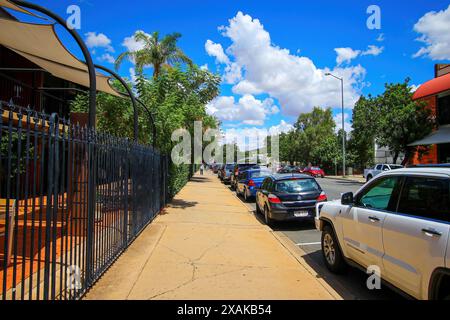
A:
{"points": [[304, 235]]}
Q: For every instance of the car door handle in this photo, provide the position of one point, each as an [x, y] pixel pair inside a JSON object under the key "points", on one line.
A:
{"points": [[431, 232], [374, 219]]}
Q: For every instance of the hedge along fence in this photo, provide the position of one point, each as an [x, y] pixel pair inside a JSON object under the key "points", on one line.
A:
{"points": [[179, 175]]}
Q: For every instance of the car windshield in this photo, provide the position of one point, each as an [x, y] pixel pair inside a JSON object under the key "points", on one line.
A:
{"points": [[259, 174], [229, 166], [315, 168], [297, 186]]}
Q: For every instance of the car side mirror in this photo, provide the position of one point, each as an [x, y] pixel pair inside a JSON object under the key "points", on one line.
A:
{"points": [[347, 198]]}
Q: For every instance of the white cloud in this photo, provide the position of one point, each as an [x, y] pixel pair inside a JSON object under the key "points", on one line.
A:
{"points": [[233, 73], [380, 37], [248, 110], [413, 87], [346, 55], [133, 78], [204, 67], [434, 29], [283, 127], [131, 44], [294, 81], [372, 51], [251, 138], [338, 120], [216, 50], [100, 40], [107, 57]]}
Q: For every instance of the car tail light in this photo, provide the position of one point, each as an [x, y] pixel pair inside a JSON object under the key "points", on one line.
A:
{"points": [[274, 199], [251, 183], [322, 197]]}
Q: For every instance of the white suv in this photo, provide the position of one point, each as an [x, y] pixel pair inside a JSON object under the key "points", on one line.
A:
{"points": [[400, 222]]}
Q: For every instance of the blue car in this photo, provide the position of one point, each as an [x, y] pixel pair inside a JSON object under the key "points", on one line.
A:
{"points": [[249, 181]]}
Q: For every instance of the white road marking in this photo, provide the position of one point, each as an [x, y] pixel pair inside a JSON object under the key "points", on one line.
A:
{"points": [[307, 243]]}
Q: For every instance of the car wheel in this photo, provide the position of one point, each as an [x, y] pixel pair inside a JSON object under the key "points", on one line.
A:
{"points": [[267, 219], [369, 177], [331, 251]]}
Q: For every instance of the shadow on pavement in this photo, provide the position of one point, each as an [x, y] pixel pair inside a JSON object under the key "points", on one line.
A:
{"points": [[352, 285], [199, 179], [182, 204]]}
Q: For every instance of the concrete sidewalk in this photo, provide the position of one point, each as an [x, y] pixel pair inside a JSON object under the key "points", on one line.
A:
{"points": [[207, 245]]}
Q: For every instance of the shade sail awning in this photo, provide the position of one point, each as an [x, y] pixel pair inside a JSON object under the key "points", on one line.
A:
{"points": [[75, 75], [9, 5], [40, 44], [440, 136], [433, 87]]}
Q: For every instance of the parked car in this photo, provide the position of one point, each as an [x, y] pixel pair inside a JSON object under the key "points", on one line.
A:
{"points": [[238, 168], [220, 171], [289, 169], [284, 197], [379, 168], [399, 222], [215, 168], [227, 172], [249, 181], [314, 172]]}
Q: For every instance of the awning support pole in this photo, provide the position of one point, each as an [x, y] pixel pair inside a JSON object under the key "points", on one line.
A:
{"points": [[84, 49], [130, 94]]}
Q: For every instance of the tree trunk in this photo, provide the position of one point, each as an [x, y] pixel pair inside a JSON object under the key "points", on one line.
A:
{"points": [[395, 157], [407, 156]]}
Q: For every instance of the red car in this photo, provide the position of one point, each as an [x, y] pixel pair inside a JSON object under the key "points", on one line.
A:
{"points": [[314, 172]]}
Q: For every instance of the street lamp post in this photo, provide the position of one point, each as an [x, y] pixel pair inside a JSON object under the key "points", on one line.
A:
{"points": [[343, 121]]}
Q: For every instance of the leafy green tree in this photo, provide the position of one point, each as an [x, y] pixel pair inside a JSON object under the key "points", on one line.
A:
{"points": [[401, 120], [178, 97], [315, 131], [361, 144], [156, 52], [289, 146]]}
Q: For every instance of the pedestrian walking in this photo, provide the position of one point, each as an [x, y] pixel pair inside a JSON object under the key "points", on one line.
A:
{"points": [[202, 167]]}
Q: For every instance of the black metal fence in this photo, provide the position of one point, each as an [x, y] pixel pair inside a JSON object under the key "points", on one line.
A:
{"points": [[71, 201]]}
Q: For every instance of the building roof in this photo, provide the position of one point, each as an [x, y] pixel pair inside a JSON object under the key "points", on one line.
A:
{"points": [[433, 87]]}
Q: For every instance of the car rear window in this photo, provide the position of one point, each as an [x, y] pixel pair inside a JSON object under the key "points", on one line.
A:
{"points": [[260, 174], [229, 166], [297, 185], [315, 168]]}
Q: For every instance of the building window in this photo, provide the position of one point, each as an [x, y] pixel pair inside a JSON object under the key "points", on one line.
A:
{"points": [[443, 113]]}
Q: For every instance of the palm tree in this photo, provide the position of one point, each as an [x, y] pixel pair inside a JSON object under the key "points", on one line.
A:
{"points": [[157, 53]]}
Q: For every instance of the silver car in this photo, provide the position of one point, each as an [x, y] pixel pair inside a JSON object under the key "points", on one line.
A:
{"points": [[398, 222]]}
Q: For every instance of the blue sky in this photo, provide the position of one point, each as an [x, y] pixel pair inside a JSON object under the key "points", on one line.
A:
{"points": [[273, 54]]}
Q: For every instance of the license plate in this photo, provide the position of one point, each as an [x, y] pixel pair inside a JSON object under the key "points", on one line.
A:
{"points": [[300, 214]]}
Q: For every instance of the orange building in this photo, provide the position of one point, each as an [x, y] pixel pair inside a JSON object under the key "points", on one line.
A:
{"points": [[436, 94]]}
